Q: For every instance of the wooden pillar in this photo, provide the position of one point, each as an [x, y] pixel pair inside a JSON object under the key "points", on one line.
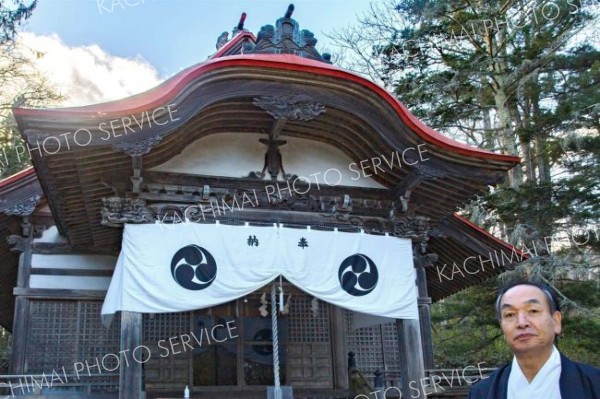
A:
{"points": [[411, 358], [130, 379], [19, 336], [424, 303], [21, 316], [340, 364], [25, 263]]}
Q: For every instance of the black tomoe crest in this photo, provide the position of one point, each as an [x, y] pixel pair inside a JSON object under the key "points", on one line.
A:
{"points": [[193, 268], [358, 275]]}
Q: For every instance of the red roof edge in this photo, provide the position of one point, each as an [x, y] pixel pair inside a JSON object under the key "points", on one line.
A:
{"points": [[490, 236], [234, 40], [161, 94], [17, 176]]}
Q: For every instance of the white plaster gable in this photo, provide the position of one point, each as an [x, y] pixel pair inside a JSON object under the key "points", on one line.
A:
{"points": [[237, 154]]}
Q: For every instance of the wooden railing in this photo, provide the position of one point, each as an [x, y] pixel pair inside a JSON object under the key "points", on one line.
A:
{"points": [[95, 385], [453, 383], [438, 383]]}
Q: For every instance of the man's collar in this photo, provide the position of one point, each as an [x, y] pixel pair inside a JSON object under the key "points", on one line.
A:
{"points": [[553, 360]]}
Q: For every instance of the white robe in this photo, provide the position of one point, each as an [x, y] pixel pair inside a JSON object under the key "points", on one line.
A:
{"points": [[545, 385]]}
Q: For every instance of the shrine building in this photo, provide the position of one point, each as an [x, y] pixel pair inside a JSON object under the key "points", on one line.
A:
{"points": [[267, 135]]}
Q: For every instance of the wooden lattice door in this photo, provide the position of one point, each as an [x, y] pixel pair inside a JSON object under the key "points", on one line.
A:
{"points": [[164, 369], [310, 363]]}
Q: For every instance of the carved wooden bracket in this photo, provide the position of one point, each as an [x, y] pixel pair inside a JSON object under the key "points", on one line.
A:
{"points": [[273, 159], [117, 211], [137, 148], [420, 173], [16, 243], [424, 260], [293, 107], [23, 208], [414, 227]]}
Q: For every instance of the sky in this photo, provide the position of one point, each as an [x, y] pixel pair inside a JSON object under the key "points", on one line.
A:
{"points": [[98, 50]]}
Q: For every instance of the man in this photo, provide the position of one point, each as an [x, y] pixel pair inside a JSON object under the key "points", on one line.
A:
{"points": [[530, 319]]}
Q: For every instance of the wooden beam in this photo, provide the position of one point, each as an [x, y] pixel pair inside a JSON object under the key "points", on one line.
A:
{"points": [[43, 271], [409, 183], [39, 293], [130, 379], [322, 212], [47, 248], [216, 183]]}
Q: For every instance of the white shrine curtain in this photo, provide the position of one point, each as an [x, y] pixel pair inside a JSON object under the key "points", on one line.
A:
{"points": [[193, 266]]}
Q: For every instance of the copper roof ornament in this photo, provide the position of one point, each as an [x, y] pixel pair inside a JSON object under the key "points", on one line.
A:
{"points": [[224, 37], [287, 38]]}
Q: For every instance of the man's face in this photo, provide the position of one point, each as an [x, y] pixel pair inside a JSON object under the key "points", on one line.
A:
{"points": [[526, 321]]}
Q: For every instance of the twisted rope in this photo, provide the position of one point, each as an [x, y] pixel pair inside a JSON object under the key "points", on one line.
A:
{"points": [[277, 389]]}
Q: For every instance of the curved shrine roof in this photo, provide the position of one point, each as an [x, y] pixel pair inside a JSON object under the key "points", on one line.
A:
{"points": [[169, 90]]}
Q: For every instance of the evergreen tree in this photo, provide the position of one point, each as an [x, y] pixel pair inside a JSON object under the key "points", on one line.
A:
{"points": [[12, 14], [519, 77]]}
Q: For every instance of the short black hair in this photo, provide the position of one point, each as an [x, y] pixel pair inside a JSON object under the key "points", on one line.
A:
{"points": [[548, 292]]}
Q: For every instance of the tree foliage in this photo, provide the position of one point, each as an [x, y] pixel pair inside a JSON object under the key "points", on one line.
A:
{"points": [[519, 77], [22, 85], [12, 14]]}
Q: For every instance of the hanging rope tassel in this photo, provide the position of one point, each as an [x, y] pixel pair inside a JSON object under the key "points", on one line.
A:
{"points": [[277, 388]]}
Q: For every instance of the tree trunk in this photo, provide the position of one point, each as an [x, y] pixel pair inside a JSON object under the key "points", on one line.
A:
{"points": [[508, 140], [524, 123]]}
